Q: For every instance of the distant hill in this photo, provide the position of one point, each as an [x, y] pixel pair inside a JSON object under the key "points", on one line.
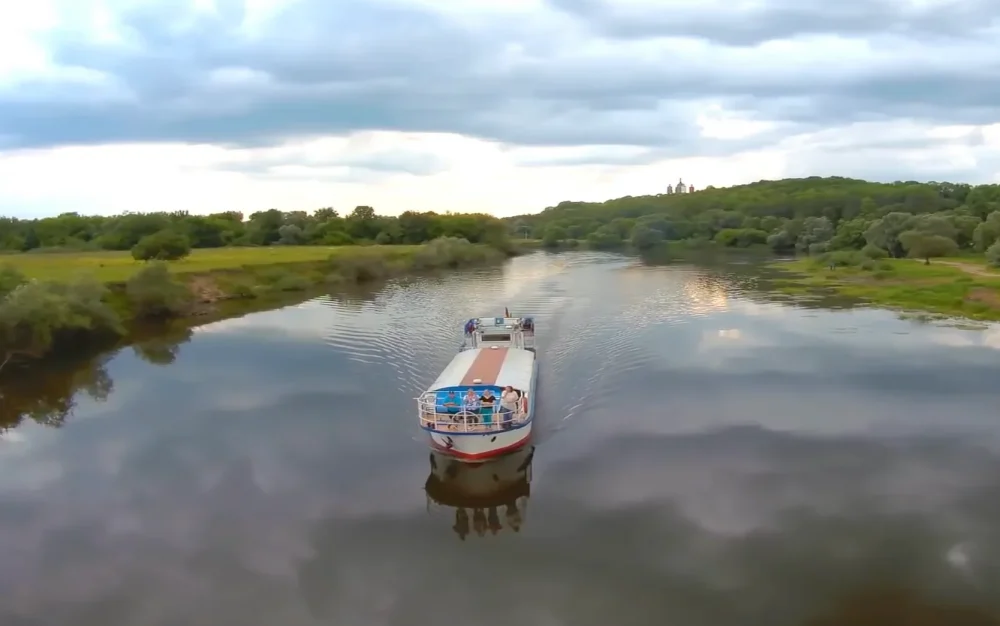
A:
{"points": [[758, 212]]}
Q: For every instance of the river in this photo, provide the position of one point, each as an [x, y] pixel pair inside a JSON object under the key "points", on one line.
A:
{"points": [[705, 455]]}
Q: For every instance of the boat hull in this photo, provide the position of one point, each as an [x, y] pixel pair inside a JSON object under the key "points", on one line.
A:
{"points": [[479, 446]]}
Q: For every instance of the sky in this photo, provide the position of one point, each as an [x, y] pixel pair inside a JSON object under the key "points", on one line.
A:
{"points": [[502, 106]]}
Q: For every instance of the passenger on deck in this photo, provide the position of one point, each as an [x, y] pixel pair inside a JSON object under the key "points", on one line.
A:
{"points": [[508, 404], [487, 401], [451, 400], [470, 400]]}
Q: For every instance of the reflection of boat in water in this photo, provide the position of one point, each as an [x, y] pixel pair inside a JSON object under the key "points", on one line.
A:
{"points": [[482, 405], [482, 493]]}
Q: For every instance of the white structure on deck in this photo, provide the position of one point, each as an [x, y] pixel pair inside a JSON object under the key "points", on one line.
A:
{"points": [[499, 352]]}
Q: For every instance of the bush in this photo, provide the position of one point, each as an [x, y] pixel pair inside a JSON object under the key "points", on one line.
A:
{"points": [[993, 254], [292, 282], [336, 238], [165, 245], [842, 258], [153, 293], [240, 288], [874, 252], [452, 252], [10, 279], [359, 267], [35, 315]]}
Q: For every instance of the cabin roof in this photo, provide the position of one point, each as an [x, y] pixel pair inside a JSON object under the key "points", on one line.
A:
{"points": [[492, 366]]}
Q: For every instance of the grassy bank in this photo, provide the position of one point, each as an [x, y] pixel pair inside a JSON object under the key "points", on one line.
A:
{"points": [[63, 303], [110, 267], [959, 287]]}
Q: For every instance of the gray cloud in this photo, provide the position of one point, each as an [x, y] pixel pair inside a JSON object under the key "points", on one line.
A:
{"points": [[371, 165], [758, 23], [325, 68]]}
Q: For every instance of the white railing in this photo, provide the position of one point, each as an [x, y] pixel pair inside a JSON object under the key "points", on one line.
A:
{"points": [[465, 420]]}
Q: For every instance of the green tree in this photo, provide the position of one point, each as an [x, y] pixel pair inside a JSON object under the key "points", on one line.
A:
{"points": [[993, 254], [987, 232], [165, 245], [291, 235], [645, 238], [885, 231], [924, 245], [604, 238], [554, 235]]}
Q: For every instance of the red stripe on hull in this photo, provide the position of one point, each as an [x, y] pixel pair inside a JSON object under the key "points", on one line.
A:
{"points": [[466, 456]]}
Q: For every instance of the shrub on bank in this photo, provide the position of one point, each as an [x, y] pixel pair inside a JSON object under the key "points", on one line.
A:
{"points": [[154, 293], [869, 261], [841, 258], [453, 252], [361, 267], [10, 279], [240, 288], [40, 317], [292, 282], [35, 316]]}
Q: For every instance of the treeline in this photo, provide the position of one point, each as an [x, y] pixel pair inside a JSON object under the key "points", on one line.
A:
{"points": [[75, 232], [809, 215]]}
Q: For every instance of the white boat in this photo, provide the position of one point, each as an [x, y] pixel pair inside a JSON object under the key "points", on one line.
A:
{"points": [[487, 496], [498, 352]]}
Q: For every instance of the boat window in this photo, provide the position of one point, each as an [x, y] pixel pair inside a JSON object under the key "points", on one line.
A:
{"points": [[496, 337]]}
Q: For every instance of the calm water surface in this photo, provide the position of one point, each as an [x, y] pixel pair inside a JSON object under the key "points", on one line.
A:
{"points": [[704, 456]]}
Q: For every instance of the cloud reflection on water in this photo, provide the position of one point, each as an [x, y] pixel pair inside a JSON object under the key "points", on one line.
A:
{"points": [[760, 479]]}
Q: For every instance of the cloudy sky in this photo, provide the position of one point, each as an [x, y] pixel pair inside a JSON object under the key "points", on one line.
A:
{"points": [[506, 106]]}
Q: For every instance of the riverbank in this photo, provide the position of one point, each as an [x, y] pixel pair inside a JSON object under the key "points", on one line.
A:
{"points": [[51, 305], [960, 287]]}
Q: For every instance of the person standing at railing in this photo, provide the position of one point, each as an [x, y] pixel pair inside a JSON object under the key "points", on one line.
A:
{"points": [[508, 404], [487, 401], [470, 401]]}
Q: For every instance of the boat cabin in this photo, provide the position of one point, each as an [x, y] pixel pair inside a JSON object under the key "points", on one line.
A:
{"points": [[507, 332]]}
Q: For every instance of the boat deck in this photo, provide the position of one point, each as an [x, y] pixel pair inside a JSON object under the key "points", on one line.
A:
{"points": [[449, 422], [486, 367]]}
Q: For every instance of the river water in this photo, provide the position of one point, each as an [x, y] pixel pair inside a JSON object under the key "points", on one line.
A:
{"points": [[704, 455]]}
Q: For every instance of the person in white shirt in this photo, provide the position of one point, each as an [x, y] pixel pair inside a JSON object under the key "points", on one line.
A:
{"points": [[508, 403]]}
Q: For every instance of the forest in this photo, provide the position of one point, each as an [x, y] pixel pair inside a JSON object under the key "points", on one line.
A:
{"points": [[806, 215], [72, 232]]}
